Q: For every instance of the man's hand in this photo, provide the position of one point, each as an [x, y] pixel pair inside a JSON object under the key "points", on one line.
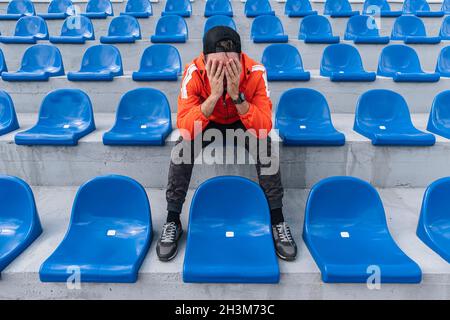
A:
{"points": [[216, 73], [233, 71]]}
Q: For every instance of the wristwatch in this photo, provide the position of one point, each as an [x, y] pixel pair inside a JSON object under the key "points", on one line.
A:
{"points": [[240, 99]]}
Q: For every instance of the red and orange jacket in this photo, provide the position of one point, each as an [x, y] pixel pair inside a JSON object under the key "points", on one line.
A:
{"points": [[195, 89]]}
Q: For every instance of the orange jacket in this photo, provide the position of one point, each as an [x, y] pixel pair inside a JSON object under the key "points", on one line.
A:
{"points": [[195, 89]]}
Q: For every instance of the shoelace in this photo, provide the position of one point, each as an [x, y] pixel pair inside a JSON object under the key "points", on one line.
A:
{"points": [[169, 232], [284, 233]]}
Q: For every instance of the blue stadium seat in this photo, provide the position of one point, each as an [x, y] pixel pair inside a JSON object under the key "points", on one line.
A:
{"points": [[138, 8], [420, 8], [364, 29], [39, 63], [433, 227], [298, 8], [98, 9], [338, 9], [122, 29], [75, 29], [383, 117], [29, 29], [159, 62], [19, 220], [284, 63], [218, 8], [8, 117], [316, 29], [100, 63], [170, 28], [112, 212], [65, 117], [346, 232], [268, 28], [401, 63], [379, 8], [58, 9], [3, 67], [444, 32], [17, 9], [411, 29], [143, 118], [215, 21], [303, 119], [236, 232], [254, 8], [342, 62], [439, 120], [443, 62], [181, 8], [445, 7]]}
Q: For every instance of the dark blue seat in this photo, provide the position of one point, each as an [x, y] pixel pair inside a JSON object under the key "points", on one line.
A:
{"points": [[420, 8], [100, 63], [268, 28], [58, 9], [138, 8], [65, 117], [19, 220], [215, 21], [234, 230], [444, 31], [298, 8], [181, 8], [254, 8], [39, 63], [443, 62], [303, 119], [8, 118], [29, 29], [98, 9], [346, 232], [284, 63], [338, 9], [143, 118], [401, 63], [122, 29], [383, 117], [439, 120], [342, 62], [411, 29], [379, 8], [446, 7], [159, 62], [364, 29], [112, 212], [316, 29], [218, 8], [75, 29], [170, 28], [3, 67], [17, 9]]}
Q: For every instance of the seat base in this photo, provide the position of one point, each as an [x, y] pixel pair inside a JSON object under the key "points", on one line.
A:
{"points": [[118, 39], [137, 15], [370, 40], [68, 39], [168, 39], [320, 39], [154, 76], [288, 76], [301, 14], [270, 39], [353, 76], [53, 16], [416, 77], [90, 76]]}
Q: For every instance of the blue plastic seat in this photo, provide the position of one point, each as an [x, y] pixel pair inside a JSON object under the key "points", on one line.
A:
{"points": [[235, 231], [338, 9], [98, 9], [439, 120], [75, 29], [303, 119], [159, 62], [446, 7], [380, 8], [109, 233], [363, 29], [411, 29], [29, 29], [100, 63], [3, 67], [58, 9], [443, 62], [143, 118], [420, 8], [383, 117], [346, 232], [298, 8], [19, 220], [215, 21], [17, 9], [316, 29], [401, 63], [342, 62], [218, 8], [39, 63], [268, 28], [8, 117], [122, 29], [138, 8], [284, 63], [444, 31], [65, 117], [254, 8], [182, 8], [170, 28]]}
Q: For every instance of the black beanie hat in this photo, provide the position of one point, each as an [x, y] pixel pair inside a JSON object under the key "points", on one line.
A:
{"points": [[220, 33]]}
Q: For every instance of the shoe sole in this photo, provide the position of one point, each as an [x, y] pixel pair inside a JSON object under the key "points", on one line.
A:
{"points": [[285, 258], [175, 253]]}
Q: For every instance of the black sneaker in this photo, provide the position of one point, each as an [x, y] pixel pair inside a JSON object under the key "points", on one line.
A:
{"points": [[167, 247], [284, 244]]}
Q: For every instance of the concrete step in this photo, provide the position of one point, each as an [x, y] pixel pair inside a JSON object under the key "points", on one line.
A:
{"points": [[157, 280]]}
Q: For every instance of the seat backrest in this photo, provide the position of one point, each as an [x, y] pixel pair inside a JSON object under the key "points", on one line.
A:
{"points": [[101, 57], [171, 25], [440, 109], [333, 6], [25, 7], [219, 20], [297, 6], [376, 6], [361, 25], [178, 6], [445, 27], [61, 6], [31, 26], [218, 5], [340, 57], [160, 57], [267, 25], [280, 56], [408, 26], [139, 6], [398, 58], [124, 25], [445, 6], [257, 6], [315, 25], [77, 26], [7, 112], [412, 6], [443, 62], [42, 57], [435, 203], [100, 6]]}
